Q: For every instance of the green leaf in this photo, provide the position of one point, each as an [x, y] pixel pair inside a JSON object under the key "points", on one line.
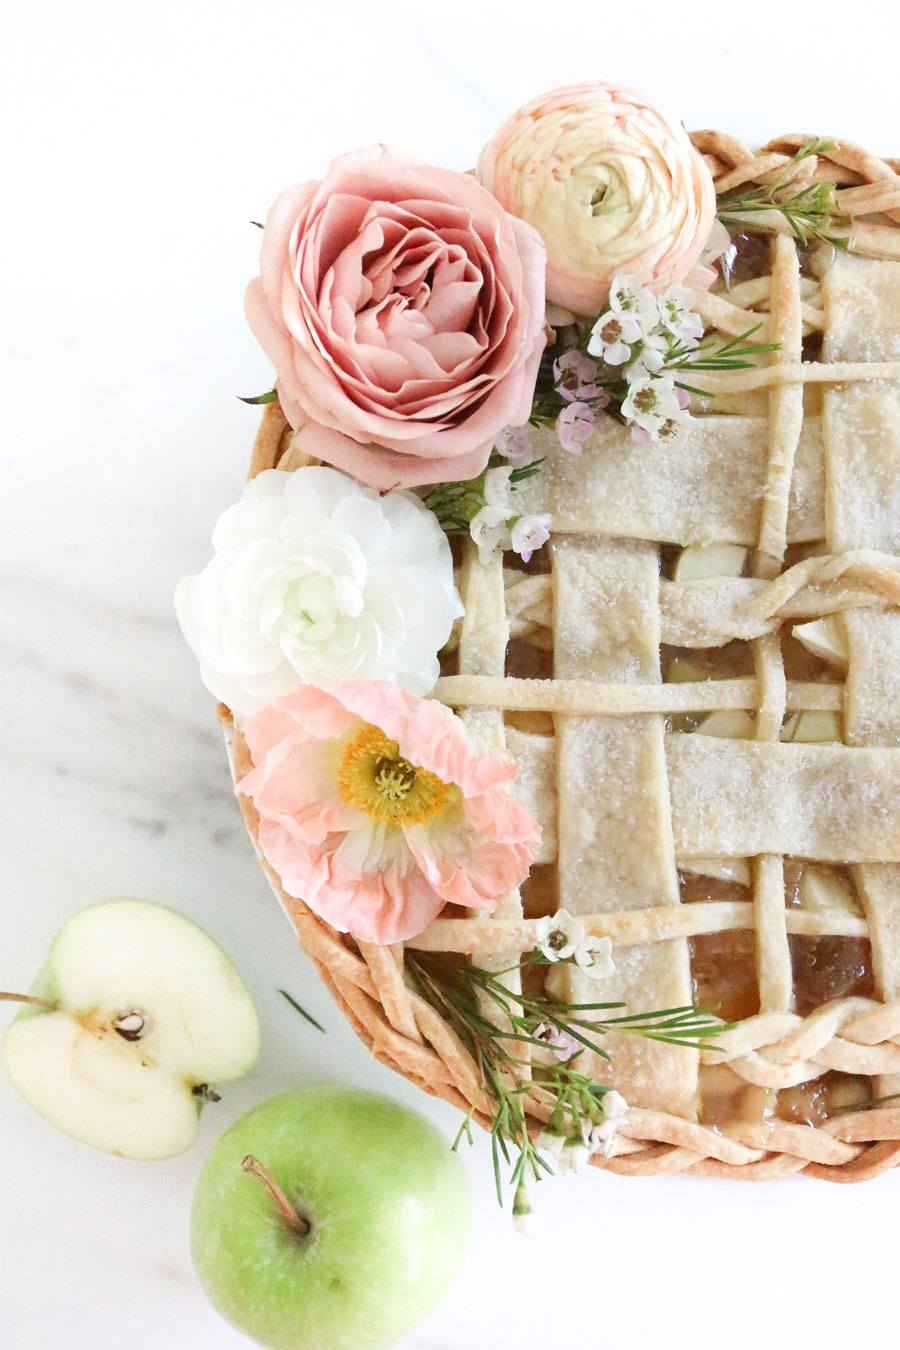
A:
{"points": [[269, 396], [302, 1011]]}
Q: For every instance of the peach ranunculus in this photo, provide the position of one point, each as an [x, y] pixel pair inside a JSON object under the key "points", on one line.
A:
{"points": [[376, 811], [610, 184], [403, 310]]}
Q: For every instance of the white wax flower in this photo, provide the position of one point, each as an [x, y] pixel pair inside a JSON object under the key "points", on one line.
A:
{"points": [[559, 936], [677, 317], [600, 1136], [575, 1156], [488, 527], [648, 361], [318, 579], [524, 1221], [652, 404], [489, 531], [552, 1142], [594, 958], [529, 533], [561, 1044], [613, 335], [614, 1105], [628, 297]]}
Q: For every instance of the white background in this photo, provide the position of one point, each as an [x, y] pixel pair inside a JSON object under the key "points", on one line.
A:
{"points": [[139, 140]]}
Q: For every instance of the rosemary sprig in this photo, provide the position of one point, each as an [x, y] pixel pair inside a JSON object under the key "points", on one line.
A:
{"points": [[864, 1106], [811, 211], [738, 354], [493, 1020], [302, 1011], [734, 355]]}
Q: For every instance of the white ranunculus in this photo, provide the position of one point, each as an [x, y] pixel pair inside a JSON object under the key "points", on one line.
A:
{"points": [[610, 183], [317, 579]]}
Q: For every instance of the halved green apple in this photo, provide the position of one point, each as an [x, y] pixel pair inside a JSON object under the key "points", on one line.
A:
{"points": [[136, 1014]]}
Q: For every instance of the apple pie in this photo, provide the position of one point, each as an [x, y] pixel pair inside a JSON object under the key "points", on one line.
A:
{"points": [[700, 680]]}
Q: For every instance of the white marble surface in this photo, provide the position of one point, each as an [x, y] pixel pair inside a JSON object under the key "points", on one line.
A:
{"points": [[139, 141]]}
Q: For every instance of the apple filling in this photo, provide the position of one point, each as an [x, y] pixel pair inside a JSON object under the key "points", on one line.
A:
{"points": [[727, 1102], [826, 968], [723, 972], [724, 964], [540, 891], [527, 661], [822, 1098]]}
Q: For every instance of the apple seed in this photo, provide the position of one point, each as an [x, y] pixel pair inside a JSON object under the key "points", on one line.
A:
{"points": [[130, 1026]]}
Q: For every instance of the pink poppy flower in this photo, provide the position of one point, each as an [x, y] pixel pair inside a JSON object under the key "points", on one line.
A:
{"points": [[376, 811]]}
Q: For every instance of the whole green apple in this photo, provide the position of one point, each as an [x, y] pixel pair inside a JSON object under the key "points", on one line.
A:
{"points": [[329, 1219]]}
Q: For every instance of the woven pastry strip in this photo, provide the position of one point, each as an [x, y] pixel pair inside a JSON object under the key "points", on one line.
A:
{"points": [[795, 453]]}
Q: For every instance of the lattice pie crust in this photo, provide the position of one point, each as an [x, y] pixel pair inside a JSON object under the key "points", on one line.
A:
{"points": [[753, 868]]}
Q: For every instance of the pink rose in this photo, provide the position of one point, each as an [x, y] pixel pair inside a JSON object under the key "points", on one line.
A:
{"points": [[403, 310], [611, 184]]}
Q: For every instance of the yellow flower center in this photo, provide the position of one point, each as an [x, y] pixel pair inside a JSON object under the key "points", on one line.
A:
{"points": [[375, 778]]}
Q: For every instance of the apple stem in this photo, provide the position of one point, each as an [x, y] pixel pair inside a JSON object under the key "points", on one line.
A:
{"points": [[295, 1220], [27, 998]]}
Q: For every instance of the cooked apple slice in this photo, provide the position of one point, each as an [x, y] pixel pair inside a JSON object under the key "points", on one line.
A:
{"points": [[699, 561], [135, 1015], [720, 869], [812, 727], [682, 670], [824, 888], [825, 639], [736, 726]]}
